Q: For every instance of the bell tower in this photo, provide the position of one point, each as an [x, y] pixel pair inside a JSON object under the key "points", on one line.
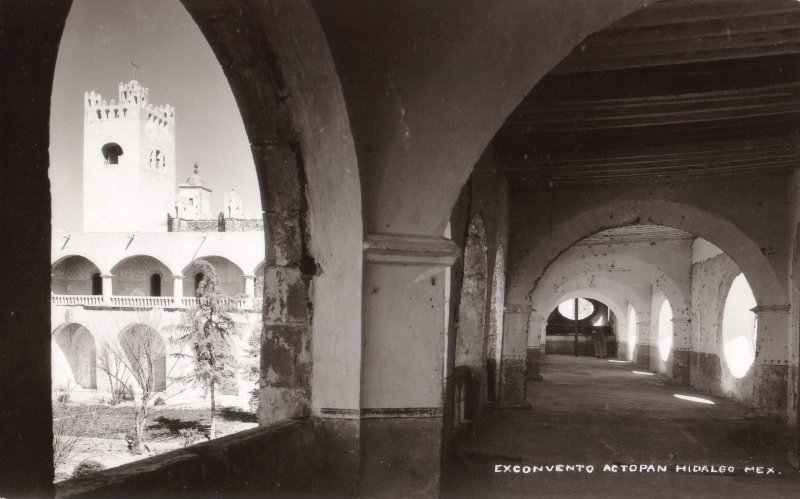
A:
{"points": [[128, 162]]}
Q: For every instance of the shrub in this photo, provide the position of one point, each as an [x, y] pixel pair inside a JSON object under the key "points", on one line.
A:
{"points": [[87, 468], [160, 401]]}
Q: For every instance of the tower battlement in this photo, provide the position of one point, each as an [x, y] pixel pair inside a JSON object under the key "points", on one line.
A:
{"points": [[133, 99]]}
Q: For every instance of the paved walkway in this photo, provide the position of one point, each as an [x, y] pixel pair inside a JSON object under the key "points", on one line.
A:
{"points": [[591, 411]]}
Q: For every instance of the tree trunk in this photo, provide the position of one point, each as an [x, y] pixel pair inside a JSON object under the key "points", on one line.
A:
{"points": [[213, 430], [136, 445]]}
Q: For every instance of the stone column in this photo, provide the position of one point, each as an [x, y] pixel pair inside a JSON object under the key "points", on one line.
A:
{"points": [[512, 366], [771, 365], [249, 289], [533, 355], [177, 291], [681, 344], [402, 364], [643, 344], [107, 288]]}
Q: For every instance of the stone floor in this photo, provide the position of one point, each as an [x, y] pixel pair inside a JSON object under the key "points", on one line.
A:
{"points": [[591, 411]]}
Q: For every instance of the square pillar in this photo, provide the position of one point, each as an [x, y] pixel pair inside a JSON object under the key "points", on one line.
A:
{"points": [[533, 355], [643, 344], [402, 364], [771, 365], [515, 345], [107, 291], [177, 291], [681, 344], [249, 289]]}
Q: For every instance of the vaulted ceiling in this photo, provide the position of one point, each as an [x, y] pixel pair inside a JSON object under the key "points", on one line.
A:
{"points": [[681, 89]]}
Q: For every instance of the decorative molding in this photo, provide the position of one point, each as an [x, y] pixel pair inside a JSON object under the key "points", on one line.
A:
{"points": [[681, 320], [410, 250], [381, 413], [513, 308], [334, 413], [401, 412]]}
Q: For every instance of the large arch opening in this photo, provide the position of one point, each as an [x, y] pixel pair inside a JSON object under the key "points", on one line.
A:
{"points": [[581, 327], [75, 275], [230, 275], [134, 276], [312, 215], [77, 347], [145, 357], [739, 327]]}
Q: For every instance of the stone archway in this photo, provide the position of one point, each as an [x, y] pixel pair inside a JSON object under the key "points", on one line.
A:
{"points": [[77, 346], [145, 355]]}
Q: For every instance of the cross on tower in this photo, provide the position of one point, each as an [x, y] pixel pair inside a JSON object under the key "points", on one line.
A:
{"points": [[135, 67]]}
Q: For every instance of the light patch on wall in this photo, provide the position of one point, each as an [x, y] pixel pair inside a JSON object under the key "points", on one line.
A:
{"points": [[739, 327], [633, 332], [699, 400], [643, 373], [665, 330]]}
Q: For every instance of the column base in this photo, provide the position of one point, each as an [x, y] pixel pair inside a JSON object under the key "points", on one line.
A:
{"points": [[793, 458], [512, 383], [770, 386], [680, 366], [533, 357], [400, 457], [643, 356]]}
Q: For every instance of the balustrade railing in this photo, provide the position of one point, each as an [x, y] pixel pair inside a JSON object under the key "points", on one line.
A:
{"points": [[138, 301]]}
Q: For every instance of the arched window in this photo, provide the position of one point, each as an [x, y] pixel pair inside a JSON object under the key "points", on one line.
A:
{"points": [[567, 309], [97, 284], [111, 152], [665, 330], [739, 324], [155, 285], [158, 160], [198, 278]]}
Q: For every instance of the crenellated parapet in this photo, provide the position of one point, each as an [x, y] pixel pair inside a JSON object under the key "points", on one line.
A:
{"points": [[132, 103]]}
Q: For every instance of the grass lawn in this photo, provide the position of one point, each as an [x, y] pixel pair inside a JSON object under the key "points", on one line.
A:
{"points": [[163, 423]]}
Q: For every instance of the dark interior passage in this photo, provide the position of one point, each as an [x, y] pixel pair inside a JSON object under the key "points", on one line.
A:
{"points": [[592, 411]]}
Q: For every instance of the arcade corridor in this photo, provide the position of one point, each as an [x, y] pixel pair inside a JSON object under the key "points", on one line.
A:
{"points": [[595, 412]]}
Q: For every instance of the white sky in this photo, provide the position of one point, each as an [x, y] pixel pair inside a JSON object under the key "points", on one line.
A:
{"points": [[100, 39]]}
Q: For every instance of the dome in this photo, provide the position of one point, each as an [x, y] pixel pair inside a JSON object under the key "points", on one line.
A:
{"points": [[195, 178]]}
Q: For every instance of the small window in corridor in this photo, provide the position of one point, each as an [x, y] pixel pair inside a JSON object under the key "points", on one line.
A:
{"points": [[665, 330], [155, 285], [739, 327], [567, 309], [97, 284]]}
